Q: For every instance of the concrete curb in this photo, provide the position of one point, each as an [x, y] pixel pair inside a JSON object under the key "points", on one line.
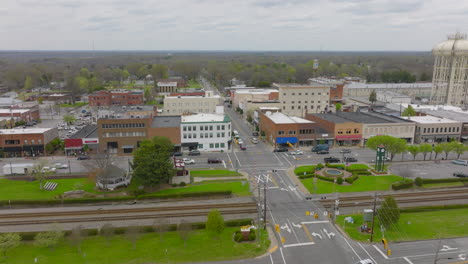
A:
{"points": [[273, 244], [296, 181]]}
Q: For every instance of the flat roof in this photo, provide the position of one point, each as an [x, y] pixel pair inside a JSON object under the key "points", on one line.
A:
{"points": [[332, 118], [297, 85], [256, 91], [166, 121], [167, 83], [215, 96], [364, 118], [24, 131], [14, 111], [430, 119], [358, 85], [393, 94], [200, 118], [280, 118], [449, 114], [268, 108]]}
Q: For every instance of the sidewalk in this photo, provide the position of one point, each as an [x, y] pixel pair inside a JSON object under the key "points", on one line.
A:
{"points": [[296, 181]]}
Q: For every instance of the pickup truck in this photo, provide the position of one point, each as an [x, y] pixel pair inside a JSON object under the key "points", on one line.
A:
{"points": [[331, 160], [460, 174]]}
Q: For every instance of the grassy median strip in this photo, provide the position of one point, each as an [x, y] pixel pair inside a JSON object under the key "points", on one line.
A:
{"points": [[239, 188], [443, 185], [363, 184], [213, 173], [414, 226], [200, 247]]}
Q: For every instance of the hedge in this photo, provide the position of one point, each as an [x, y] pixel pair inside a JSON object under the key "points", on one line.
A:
{"points": [[362, 173], [325, 178], [405, 184], [357, 167], [311, 175], [351, 179], [29, 236], [426, 181], [335, 166], [433, 208]]}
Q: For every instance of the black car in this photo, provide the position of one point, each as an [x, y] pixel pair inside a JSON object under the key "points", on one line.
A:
{"points": [[321, 152], [194, 153], [460, 174], [281, 149], [214, 160], [345, 151], [331, 160], [255, 134], [177, 154], [350, 159], [83, 157]]}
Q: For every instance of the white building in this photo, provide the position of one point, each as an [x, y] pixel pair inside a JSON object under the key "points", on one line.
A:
{"points": [[355, 89], [392, 97], [297, 99], [165, 88], [179, 105], [450, 78], [431, 129], [206, 132], [241, 97]]}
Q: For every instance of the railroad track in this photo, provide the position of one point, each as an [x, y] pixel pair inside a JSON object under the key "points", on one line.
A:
{"points": [[127, 210], [400, 201], [398, 195]]}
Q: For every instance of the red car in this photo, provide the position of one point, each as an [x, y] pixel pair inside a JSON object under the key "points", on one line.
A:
{"points": [[215, 160]]}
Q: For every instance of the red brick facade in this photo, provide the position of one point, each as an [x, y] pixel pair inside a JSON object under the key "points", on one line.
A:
{"points": [[25, 142], [336, 93], [106, 98]]}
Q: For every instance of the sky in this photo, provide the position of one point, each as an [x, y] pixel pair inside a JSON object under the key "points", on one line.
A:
{"points": [[289, 25]]}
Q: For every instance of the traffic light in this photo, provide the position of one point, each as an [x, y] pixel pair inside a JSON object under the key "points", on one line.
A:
{"points": [[385, 243]]}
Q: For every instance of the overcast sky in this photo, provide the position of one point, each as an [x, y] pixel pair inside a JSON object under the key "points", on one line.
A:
{"points": [[229, 25]]}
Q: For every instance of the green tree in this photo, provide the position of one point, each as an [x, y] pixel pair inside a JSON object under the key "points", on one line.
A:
{"points": [[9, 241], [425, 148], [459, 148], [40, 100], [69, 119], [249, 118], [49, 239], [409, 111], [159, 71], [447, 148], [338, 107], [147, 94], [424, 77], [392, 145], [414, 150], [437, 150], [215, 223], [28, 83], [389, 213], [373, 97], [152, 164]]}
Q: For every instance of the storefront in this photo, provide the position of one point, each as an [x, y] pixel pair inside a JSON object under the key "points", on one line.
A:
{"points": [[285, 141], [348, 140]]}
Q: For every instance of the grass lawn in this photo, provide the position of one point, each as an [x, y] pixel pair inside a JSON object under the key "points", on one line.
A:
{"points": [[443, 184], [25, 190], [239, 188], [214, 173], [415, 226], [193, 84], [78, 104], [200, 247], [300, 170], [363, 184]]}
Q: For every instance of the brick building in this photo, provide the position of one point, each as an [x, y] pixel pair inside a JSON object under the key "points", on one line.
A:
{"points": [[346, 132], [336, 87], [181, 83], [26, 142], [26, 115], [116, 97], [166, 126]]}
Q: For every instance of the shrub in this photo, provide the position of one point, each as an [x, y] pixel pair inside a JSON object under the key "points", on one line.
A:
{"points": [[426, 181], [182, 184], [418, 181], [252, 235], [325, 178], [362, 173], [174, 185], [405, 184], [307, 176], [336, 166], [339, 180], [319, 166], [357, 167], [351, 179], [238, 236]]}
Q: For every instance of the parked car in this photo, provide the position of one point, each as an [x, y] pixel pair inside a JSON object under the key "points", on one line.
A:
{"points": [[242, 147], [297, 152], [460, 174], [194, 153], [460, 162], [345, 151], [48, 169], [177, 154], [255, 134], [385, 159], [320, 147], [331, 160], [83, 157], [61, 166], [365, 261], [188, 161], [281, 149], [254, 140], [240, 142], [322, 152], [214, 160], [350, 159]]}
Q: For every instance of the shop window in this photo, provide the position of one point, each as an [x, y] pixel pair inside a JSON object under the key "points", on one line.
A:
{"points": [[281, 132]]}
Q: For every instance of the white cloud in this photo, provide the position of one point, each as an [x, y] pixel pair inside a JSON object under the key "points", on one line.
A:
{"points": [[230, 25]]}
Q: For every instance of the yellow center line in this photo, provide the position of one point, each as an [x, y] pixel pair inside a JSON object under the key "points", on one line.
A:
{"points": [[306, 230], [273, 249], [459, 262]]}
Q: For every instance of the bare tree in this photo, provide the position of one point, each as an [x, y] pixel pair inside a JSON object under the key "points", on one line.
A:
{"points": [[76, 237], [99, 165], [107, 231], [132, 233], [41, 170], [184, 229]]}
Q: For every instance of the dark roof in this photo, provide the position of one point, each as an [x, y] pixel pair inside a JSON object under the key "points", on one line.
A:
{"points": [[360, 117], [364, 118], [89, 131], [166, 121], [122, 109], [332, 118]]}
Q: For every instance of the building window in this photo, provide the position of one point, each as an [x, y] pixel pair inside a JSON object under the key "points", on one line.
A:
{"points": [[424, 131], [306, 93], [445, 129], [293, 93], [185, 135], [25, 141], [194, 128], [211, 135], [189, 135], [39, 141], [222, 145], [211, 145], [201, 128], [194, 135], [218, 135], [32, 142], [218, 127], [292, 107], [284, 107], [206, 135], [217, 145], [292, 132], [223, 127], [305, 106], [299, 94], [128, 150], [211, 128], [340, 132], [298, 107], [223, 134], [201, 135], [292, 102], [356, 131], [200, 146], [189, 128], [12, 142], [281, 132], [432, 130]]}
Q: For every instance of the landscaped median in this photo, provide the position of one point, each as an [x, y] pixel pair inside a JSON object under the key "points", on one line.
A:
{"points": [[360, 180], [414, 224], [213, 173]]}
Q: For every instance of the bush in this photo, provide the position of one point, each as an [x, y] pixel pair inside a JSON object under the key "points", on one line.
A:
{"points": [[351, 179], [418, 181], [433, 208], [182, 184], [426, 181], [238, 222], [174, 185], [339, 180], [405, 184], [319, 166], [362, 173], [336, 166], [357, 167], [307, 176], [325, 178], [252, 235], [238, 237]]}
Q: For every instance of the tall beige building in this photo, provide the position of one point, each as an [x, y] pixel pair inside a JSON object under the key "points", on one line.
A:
{"points": [[298, 100], [179, 105]]}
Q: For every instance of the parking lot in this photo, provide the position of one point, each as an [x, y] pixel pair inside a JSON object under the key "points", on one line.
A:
{"points": [[430, 170]]}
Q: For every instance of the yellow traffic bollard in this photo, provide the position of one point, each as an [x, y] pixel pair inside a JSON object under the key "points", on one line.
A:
{"points": [[316, 215], [283, 240], [277, 228], [389, 252], [307, 213]]}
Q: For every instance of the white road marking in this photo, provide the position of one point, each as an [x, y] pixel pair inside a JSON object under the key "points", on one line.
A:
{"points": [[298, 226], [407, 260], [273, 187], [238, 162], [315, 222], [271, 258], [294, 232], [381, 253], [447, 248], [274, 154], [367, 253], [232, 163], [432, 254], [224, 164], [299, 244], [281, 250], [317, 235], [286, 227], [344, 238]]}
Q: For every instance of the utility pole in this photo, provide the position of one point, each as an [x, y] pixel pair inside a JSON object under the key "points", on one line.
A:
{"points": [[264, 203], [373, 217], [437, 252]]}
